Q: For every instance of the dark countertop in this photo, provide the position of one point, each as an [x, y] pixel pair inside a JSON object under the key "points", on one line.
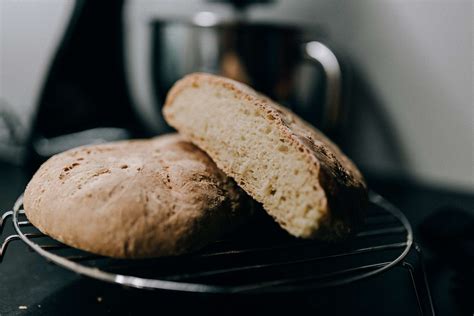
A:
{"points": [[45, 289]]}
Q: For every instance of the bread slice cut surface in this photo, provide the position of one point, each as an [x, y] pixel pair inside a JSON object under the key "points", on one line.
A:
{"points": [[302, 179]]}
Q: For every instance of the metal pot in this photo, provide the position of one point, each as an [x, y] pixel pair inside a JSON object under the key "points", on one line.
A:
{"points": [[276, 60]]}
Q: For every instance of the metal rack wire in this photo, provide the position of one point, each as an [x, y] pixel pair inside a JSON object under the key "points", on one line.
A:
{"points": [[273, 263]]}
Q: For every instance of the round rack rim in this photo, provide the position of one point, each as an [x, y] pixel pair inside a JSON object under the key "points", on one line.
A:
{"points": [[157, 284]]}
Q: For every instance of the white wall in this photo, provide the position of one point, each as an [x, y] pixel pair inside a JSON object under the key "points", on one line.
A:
{"points": [[29, 33]]}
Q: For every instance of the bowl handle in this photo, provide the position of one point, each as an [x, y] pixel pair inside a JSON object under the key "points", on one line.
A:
{"points": [[318, 53]]}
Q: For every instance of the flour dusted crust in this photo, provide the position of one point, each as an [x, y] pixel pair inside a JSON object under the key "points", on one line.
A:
{"points": [[302, 179], [134, 199]]}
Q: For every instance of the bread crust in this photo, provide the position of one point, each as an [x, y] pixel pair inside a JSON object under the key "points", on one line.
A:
{"points": [[134, 199], [345, 190]]}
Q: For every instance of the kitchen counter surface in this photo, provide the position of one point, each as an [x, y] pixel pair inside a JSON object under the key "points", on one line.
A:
{"points": [[31, 286]]}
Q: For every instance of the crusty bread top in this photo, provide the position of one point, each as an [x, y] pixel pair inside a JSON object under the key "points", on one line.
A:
{"points": [[140, 198], [342, 182]]}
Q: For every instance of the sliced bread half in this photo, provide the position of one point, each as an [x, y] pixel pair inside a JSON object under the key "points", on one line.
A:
{"points": [[302, 179]]}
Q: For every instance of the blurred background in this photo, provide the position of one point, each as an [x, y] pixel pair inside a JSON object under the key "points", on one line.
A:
{"points": [[406, 72], [390, 81]]}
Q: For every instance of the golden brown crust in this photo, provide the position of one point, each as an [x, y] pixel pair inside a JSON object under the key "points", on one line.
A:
{"points": [[134, 199], [343, 184]]}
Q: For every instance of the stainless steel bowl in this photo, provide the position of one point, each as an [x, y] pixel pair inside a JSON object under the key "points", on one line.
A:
{"points": [[276, 60]]}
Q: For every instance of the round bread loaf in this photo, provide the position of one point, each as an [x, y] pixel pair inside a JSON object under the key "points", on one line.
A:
{"points": [[134, 199], [302, 179]]}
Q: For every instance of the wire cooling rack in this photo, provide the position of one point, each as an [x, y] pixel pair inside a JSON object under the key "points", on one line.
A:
{"points": [[252, 263]]}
